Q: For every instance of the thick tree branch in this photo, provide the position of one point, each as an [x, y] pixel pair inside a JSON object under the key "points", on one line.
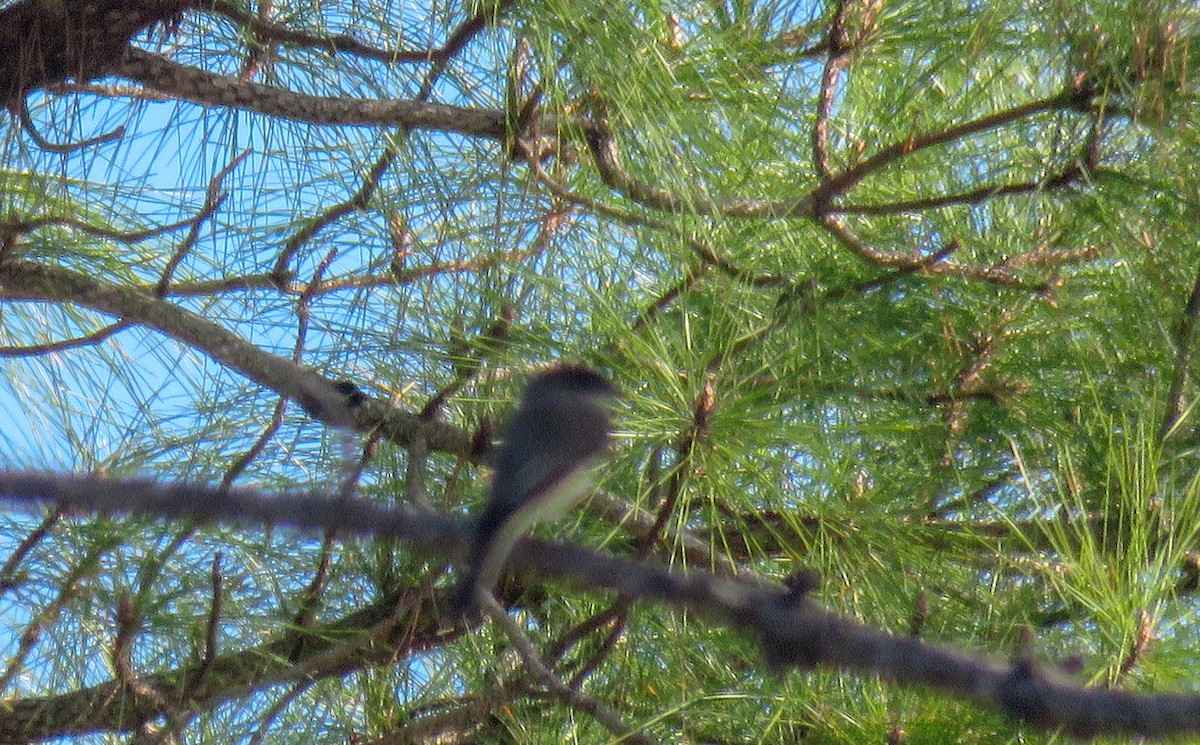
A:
{"points": [[793, 631], [209, 89], [26, 280]]}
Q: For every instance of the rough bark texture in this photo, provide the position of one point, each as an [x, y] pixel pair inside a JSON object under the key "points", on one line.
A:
{"points": [[51, 41]]}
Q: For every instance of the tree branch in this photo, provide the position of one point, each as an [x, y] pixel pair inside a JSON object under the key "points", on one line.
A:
{"points": [[26, 280], [209, 89], [792, 630]]}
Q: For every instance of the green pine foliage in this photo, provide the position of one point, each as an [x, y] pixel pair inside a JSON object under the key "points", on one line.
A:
{"points": [[895, 292]]}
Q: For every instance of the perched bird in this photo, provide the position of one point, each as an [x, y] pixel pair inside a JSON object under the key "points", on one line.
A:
{"points": [[551, 443]]}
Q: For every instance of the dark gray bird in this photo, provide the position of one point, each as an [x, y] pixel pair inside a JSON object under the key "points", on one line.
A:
{"points": [[550, 445]]}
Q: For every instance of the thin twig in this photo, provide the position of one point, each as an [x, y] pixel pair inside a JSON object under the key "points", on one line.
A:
{"points": [[600, 711]]}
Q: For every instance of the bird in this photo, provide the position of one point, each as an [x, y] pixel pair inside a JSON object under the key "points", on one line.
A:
{"points": [[560, 428]]}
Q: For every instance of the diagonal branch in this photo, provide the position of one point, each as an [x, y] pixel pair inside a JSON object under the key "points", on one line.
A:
{"points": [[26, 280], [209, 89]]}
